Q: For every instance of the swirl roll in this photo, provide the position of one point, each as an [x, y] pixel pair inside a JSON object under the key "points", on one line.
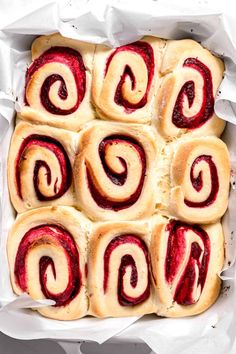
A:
{"points": [[186, 260], [58, 83], [47, 255], [124, 80], [114, 169], [185, 99], [199, 180], [119, 280], [40, 164]]}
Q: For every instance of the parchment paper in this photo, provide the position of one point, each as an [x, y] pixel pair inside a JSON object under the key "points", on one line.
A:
{"points": [[115, 24]]}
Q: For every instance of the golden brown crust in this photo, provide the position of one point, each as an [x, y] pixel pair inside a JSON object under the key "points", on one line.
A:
{"points": [[207, 158], [106, 303], [166, 306], [78, 226], [184, 150], [104, 88], [43, 43], [35, 112], [29, 160], [174, 76], [115, 169], [89, 160]]}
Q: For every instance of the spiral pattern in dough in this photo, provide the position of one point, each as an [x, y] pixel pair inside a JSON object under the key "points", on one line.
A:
{"points": [[58, 83], [47, 256], [59, 241], [185, 99], [128, 281], [119, 277], [61, 82], [40, 166], [186, 260], [200, 172], [113, 172], [124, 80]]}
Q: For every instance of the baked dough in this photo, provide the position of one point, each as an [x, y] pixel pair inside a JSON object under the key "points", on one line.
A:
{"points": [[186, 260], [119, 278], [115, 169], [47, 252], [124, 80], [199, 179], [58, 83], [40, 165], [145, 176], [185, 100]]}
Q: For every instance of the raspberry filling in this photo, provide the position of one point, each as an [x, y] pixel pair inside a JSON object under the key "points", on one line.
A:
{"points": [[195, 270], [145, 51], [127, 261], [55, 236], [73, 60], [65, 167], [118, 179], [188, 90], [197, 182]]}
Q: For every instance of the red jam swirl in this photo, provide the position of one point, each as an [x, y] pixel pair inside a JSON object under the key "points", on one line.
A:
{"points": [[198, 257], [58, 150], [188, 90], [73, 60], [145, 51], [197, 182], [127, 261], [55, 236], [118, 179]]}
